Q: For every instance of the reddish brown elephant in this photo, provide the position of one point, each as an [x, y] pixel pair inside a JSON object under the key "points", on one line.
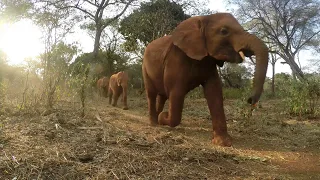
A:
{"points": [[118, 85], [102, 86], [175, 64]]}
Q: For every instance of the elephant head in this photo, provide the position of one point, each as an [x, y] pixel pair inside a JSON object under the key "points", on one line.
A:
{"points": [[222, 37], [118, 84], [102, 85], [122, 79], [105, 82]]}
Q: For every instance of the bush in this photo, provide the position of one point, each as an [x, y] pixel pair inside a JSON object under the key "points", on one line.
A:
{"points": [[228, 93], [196, 93], [303, 97], [234, 93]]}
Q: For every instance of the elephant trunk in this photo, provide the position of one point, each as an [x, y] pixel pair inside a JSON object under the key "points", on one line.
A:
{"points": [[250, 45]]}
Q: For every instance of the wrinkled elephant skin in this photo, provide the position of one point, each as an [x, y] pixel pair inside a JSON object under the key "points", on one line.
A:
{"points": [[175, 64]]}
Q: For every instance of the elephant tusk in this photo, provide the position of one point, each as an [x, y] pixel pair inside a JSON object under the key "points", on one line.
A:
{"points": [[242, 55]]}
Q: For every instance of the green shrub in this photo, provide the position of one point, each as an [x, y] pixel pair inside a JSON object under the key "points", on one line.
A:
{"points": [[234, 93], [303, 97], [228, 93], [196, 93]]}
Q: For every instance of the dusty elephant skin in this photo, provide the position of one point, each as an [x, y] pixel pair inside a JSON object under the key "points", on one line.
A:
{"points": [[102, 86], [175, 64], [118, 85]]}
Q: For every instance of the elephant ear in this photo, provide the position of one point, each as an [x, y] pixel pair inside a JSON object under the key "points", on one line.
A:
{"points": [[189, 37]]}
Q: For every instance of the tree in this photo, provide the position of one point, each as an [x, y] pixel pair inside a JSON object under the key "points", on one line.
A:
{"points": [[55, 24], [107, 63], [194, 7], [274, 58], [152, 20], [235, 75], [14, 10], [314, 65], [287, 25], [98, 12]]}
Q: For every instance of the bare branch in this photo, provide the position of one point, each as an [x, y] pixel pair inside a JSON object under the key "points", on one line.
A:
{"points": [[118, 15]]}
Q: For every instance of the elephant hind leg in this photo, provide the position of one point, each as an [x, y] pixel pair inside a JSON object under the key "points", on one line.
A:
{"points": [[161, 100], [110, 95], [151, 96]]}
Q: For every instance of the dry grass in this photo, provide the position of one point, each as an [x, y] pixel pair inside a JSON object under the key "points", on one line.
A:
{"points": [[110, 143]]}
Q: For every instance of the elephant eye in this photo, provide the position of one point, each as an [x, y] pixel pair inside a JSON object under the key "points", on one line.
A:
{"points": [[224, 31]]}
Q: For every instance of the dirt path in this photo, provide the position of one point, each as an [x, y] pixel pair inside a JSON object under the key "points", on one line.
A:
{"points": [[284, 155], [110, 143]]}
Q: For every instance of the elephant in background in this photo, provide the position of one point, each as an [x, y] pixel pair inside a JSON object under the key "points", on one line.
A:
{"points": [[102, 86], [177, 63], [118, 85]]}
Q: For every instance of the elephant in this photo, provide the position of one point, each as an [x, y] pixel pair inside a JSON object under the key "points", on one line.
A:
{"points": [[118, 85], [102, 86], [188, 57]]}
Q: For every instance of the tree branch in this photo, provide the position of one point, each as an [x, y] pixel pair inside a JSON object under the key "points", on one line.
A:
{"points": [[118, 15]]}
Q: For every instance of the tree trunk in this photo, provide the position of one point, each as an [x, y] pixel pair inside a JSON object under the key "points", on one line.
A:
{"points": [[296, 71], [97, 41], [273, 73]]}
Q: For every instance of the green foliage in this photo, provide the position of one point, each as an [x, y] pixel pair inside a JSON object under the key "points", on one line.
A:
{"points": [[107, 63], [80, 82], [287, 26], [60, 57], [14, 10], [30, 94], [55, 69], [303, 97], [282, 81], [235, 75], [234, 93], [135, 76], [152, 20], [228, 93], [196, 93]]}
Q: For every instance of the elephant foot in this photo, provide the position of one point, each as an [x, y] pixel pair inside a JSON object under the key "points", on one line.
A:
{"points": [[125, 108], [114, 105], [163, 119], [222, 140], [153, 124], [153, 121]]}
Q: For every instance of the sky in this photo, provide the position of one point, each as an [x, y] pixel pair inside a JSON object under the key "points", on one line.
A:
{"points": [[23, 39]]}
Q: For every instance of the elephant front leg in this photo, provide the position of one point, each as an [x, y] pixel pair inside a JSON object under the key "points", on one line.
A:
{"points": [[124, 98], [115, 97], [173, 117], [213, 94]]}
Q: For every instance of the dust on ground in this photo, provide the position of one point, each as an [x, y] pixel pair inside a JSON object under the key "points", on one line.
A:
{"points": [[111, 143]]}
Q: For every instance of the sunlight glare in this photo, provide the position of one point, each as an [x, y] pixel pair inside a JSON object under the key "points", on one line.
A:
{"points": [[20, 40]]}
